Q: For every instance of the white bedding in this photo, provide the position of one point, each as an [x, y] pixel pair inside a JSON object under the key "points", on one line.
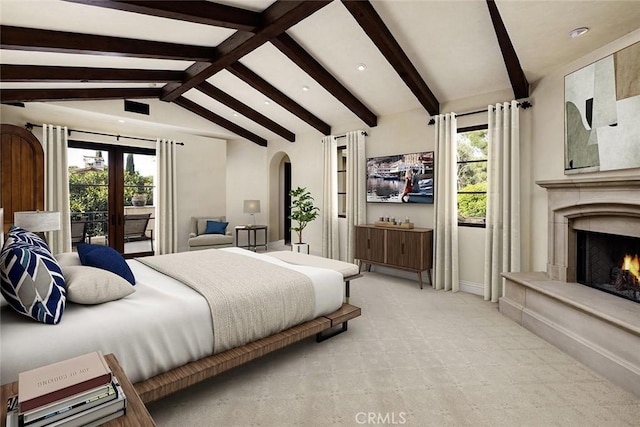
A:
{"points": [[161, 326]]}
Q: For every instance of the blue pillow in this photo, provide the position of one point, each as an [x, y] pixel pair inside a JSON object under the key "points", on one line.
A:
{"points": [[106, 258], [32, 281], [216, 227]]}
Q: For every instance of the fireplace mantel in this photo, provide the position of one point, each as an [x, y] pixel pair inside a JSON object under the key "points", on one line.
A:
{"points": [[598, 329], [607, 205]]}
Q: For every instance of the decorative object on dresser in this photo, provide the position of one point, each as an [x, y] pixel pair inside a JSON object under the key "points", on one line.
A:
{"points": [[303, 212], [403, 248]]}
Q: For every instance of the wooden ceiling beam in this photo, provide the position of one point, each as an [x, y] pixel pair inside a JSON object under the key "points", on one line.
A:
{"points": [[517, 77], [31, 39], [27, 73], [226, 99], [373, 25], [33, 95], [219, 120], [313, 68], [201, 12], [276, 19], [258, 83]]}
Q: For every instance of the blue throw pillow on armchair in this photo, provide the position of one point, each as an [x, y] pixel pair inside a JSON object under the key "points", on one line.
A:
{"points": [[106, 258], [216, 227]]}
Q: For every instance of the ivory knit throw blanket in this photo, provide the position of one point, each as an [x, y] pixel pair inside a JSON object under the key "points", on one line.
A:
{"points": [[249, 298]]}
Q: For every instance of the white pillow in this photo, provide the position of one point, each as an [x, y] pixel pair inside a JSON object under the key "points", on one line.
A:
{"points": [[91, 285], [67, 259]]}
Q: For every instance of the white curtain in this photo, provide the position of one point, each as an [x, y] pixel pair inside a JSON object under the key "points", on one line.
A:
{"points": [[446, 204], [502, 242], [56, 197], [166, 197], [356, 188], [330, 239]]}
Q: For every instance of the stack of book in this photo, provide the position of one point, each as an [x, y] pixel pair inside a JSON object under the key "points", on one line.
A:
{"points": [[80, 391]]}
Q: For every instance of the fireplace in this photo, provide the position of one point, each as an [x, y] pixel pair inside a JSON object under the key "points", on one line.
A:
{"points": [[609, 262], [587, 302]]}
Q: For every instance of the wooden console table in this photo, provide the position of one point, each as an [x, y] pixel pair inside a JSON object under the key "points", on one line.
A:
{"points": [[406, 249]]}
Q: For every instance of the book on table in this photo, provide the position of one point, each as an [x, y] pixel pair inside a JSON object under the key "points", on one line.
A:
{"points": [[108, 407], [98, 414], [51, 383], [84, 401]]}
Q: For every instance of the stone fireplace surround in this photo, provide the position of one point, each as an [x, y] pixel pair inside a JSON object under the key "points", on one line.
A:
{"points": [[599, 329]]}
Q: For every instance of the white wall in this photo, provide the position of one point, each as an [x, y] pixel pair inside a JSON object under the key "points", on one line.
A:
{"points": [[547, 145], [246, 171], [201, 163]]}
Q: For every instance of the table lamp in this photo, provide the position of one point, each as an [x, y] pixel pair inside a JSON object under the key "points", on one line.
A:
{"points": [[37, 221], [252, 207]]}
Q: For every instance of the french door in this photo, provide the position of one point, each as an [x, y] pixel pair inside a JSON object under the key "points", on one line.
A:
{"points": [[111, 189]]}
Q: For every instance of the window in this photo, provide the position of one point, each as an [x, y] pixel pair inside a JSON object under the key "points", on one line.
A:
{"points": [[342, 181], [472, 176], [111, 189]]}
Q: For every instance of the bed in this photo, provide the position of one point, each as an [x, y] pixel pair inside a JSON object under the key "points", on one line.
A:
{"points": [[163, 333]]}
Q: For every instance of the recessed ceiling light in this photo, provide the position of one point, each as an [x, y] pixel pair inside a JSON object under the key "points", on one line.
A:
{"points": [[267, 102], [235, 114], [120, 121], [578, 32], [362, 67], [305, 88]]}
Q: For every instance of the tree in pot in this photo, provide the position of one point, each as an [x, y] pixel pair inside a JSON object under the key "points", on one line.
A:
{"points": [[302, 210]]}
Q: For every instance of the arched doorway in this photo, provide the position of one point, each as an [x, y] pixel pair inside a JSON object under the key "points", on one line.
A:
{"points": [[22, 178], [279, 200]]}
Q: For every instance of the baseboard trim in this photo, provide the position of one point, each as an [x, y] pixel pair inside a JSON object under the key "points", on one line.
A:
{"points": [[471, 287]]}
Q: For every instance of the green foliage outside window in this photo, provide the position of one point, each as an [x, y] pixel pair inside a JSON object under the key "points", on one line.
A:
{"points": [[472, 176], [88, 195]]}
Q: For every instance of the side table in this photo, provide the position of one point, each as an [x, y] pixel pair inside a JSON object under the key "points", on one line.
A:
{"points": [[252, 231], [137, 414]]}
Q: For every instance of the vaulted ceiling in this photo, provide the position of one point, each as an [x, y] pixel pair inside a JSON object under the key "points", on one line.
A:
{"points": [[264, 69]]}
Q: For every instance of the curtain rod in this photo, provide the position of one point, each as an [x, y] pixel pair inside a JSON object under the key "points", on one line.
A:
{"points": [[30, 126], [523, 104], [342, 136]]}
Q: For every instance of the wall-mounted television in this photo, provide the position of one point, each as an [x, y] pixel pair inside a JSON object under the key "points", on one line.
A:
{"points": [[403, 178]]}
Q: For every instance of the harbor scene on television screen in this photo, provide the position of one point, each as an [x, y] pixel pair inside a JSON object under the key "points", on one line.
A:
{"points": [[403, 178]]}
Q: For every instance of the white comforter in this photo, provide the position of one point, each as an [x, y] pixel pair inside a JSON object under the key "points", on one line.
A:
{"points": [[161, 326]]}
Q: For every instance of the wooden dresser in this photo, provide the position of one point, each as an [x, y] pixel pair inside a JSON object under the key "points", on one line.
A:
{"points": [[403, 248]]}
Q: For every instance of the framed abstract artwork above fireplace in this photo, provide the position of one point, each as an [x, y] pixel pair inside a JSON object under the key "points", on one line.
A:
{"points": [[602, 106]]}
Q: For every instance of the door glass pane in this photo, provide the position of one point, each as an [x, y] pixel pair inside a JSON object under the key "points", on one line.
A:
{"points": [[139, 207], [88, 196]]}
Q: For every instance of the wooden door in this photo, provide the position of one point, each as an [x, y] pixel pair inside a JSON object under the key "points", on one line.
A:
{"points": [[21, 172]]}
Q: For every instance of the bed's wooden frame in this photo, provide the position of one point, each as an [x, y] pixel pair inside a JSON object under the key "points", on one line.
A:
{"points": [[184, 376]]}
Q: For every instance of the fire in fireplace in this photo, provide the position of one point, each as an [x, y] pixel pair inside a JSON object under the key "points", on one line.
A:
{"points": [[610, 263]]}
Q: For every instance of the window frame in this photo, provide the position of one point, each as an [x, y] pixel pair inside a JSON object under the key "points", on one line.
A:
{"points": [[465, 130], [339, 150]]}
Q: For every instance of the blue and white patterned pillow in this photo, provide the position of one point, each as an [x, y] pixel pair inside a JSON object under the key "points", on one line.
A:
{"points": [[22, 235], [31, 280]]}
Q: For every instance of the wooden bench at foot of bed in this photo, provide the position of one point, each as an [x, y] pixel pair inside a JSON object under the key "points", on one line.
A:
{"points": [[184, 376]]}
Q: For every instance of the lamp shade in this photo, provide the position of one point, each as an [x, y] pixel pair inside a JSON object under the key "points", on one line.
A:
{"points": [[252, 206], [37, 221]]}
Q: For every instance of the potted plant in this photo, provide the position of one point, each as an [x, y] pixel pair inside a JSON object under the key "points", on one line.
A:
{"points": [[140, 197], [303, 212]]}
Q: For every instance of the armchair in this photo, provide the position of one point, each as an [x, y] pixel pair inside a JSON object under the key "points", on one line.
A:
{"points": [[198, 239]]}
